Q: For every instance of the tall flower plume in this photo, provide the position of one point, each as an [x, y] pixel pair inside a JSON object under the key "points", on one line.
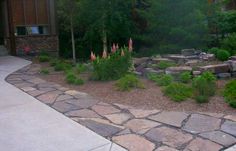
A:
{"points": [[92, 56], [113, 49], [130, 45], [104, 54]]}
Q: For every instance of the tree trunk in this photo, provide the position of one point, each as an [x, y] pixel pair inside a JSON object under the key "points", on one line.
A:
{"points": [[72, 38], [104, 39]]}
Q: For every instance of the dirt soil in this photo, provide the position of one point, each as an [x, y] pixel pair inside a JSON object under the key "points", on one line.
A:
{"points": [[149, 98]]}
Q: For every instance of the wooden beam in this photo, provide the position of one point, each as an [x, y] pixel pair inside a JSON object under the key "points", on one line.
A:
{"points": [[11, 28]]}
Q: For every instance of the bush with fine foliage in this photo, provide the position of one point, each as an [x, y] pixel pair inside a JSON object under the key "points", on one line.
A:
{"points": [[128, 82], [222, 55], [44, 58], [71, 78], [204, 87], [185, 77], [230, 93], [113, 67], [178, 92], [161, 79]]}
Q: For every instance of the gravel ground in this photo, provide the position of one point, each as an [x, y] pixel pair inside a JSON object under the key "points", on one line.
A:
{"points": [[149, 98]]}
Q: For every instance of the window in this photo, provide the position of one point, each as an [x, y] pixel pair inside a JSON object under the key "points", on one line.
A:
{"points": [[31, 30]]}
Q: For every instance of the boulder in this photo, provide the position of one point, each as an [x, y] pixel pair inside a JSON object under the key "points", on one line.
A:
{"points": [[141, 67], [158, 60], [139, 61], [233, 58], [224, 75], [177, 58], [178, 70], [207, 56], [232, 64], [196, 73], [216, 69], [150, 70], [188, 52], [233, 74], [192, 62]]}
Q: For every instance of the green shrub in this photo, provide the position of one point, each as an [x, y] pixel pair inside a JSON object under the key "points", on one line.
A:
{"points": [[165, 64], [178, 92], [128, 82], [230, 93], [185, 77], [71, 78], [53, 62], [113, 67], [44, 71], [44, 58], [213, 50], [204, 86], [222, 55], [61, 66], [229, 44], [80, 68], [154, 76], [164, 80]]}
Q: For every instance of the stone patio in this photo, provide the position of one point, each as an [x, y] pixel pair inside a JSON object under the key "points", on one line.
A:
{"points": [[134, 129]]}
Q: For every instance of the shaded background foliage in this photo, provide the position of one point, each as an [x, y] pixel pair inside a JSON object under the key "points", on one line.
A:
{"points": [[156, 26]]}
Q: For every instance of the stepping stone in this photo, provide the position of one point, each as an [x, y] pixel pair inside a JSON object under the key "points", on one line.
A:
{"points": [[26, 89], [35, 93], [198, 123], [218, 68], [102, 129], [233, 148], [141, 126], [229, 127], [64, 107], [168, 136], [85, 113], [49, 97], [124, 132], [139, 113], [217, 115], [165, 148], [24, 84], [64, 97], [121, 106], [202, 145], [231, 117], [220, 138], [36, 81], [76, 94], [83, 103], [118, 118], [47, 89], [134, 142], [170, 118], [104, 110]]}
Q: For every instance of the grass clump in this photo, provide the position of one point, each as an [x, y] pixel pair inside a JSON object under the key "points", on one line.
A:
{"points": [[62, 66], [44, 71], [204, 87], [129, 82], [71, 78], [80, 68], [178, 92], [230, 93], [185, 77], [162, 79], [222, 55], [165, 64], [44, 58]]}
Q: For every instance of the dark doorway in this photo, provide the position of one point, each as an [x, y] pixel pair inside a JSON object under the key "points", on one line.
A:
{"points": [[1, 24]]}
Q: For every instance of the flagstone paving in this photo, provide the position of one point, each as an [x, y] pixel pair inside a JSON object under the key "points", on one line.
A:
{"points": [[134, 129]]}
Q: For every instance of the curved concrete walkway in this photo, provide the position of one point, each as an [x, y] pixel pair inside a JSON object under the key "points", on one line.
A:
{"points": [[132, 128], [29, 125]]}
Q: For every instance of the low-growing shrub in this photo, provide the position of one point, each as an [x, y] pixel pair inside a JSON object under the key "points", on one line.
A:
{"points": [[44, 58], [80, 68], [112, 67], [213, 50], [128, 82], [204, 86], [178, 92], [61, 66], [229, 44], [230, 93], [154, 76], [222, 55], [164, 80], [53, 62], [165, 64], [185, 77], [71, 78], [44, 71]]}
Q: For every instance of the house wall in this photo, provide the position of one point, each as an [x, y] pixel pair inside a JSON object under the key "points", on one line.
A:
{"points": [[28, 15]]}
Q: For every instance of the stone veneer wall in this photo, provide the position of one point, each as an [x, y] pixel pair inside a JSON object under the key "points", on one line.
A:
{"points": [[38, 43]]}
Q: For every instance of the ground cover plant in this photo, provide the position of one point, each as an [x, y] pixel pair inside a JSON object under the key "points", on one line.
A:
{"points": [[162, 79], [230, 93], [178, 92], [129, 82], [44, 71], [72, 78]]}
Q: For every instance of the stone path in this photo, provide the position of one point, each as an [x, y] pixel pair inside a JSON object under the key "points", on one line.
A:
{"points": [[134, 129]]}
